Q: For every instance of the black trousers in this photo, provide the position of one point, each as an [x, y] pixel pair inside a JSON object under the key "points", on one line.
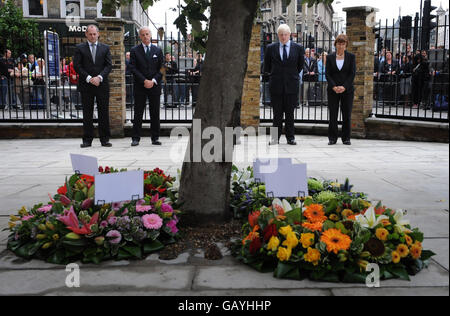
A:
{"points": [[87, 100], [345, 102], [284, 105], [140, 105]]}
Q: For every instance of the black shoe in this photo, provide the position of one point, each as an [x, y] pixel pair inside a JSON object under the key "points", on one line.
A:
{"points": [[156, 143], [332, 142], [274, 142], [292, 142], [85, 145], [347, 142], [107, 144], [135, 143]]}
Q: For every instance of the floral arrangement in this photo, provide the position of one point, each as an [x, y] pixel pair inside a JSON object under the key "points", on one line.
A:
{"points": [[71, 227], [331, 235]]}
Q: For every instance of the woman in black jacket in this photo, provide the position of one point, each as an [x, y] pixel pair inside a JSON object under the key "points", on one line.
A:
{"points": [[405, 78], [420, 76], [340, 74]]}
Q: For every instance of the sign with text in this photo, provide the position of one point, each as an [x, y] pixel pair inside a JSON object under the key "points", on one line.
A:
{"points": [[119, 187], [287, 181], [84, 164], [52, 54], [261, 166]]}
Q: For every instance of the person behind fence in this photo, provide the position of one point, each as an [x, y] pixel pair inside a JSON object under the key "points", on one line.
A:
{"points": [[196, 74], [283, 61], [11, 96], [309, 76], [21, 85], [405, 73], [389, 70], [146, 61], [73, 82], [92, 61], [340, 74], [4, 74], [171, 68], [128, 80], [38, 75], [321, 70], [420, 74]]}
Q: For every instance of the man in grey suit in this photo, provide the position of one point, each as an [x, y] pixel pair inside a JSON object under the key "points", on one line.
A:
{"points": [[283, 62], [92, 61]]}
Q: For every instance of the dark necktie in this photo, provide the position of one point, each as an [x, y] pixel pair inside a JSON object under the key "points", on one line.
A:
{"points": [[285, 56], [94, 52], [147, 53]]}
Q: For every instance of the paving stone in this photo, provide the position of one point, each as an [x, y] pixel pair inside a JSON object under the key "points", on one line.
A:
{"points": [[418, 291], [152, 278], [243, 277], [441, 248]]}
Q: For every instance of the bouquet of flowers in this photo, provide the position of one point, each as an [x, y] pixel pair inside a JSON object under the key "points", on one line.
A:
{"points": [[331, 236], [71, 227]]}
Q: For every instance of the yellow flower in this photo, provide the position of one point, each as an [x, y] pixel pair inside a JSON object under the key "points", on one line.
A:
{"points": [[395, 257], [409, 240], [285, 230], [14, 218], [334, 217], [307, 240], [23, 211], [382, 234], [11, 225], [273, 243], [55, 237], [291, 240], [403, 250], [347, 213], [284, 254], [416, 251], [312, 256]]}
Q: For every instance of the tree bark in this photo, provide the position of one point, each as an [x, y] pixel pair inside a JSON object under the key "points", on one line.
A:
{"points": [[205, 186]]}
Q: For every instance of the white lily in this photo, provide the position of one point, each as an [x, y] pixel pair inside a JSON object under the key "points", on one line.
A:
{"points": [[369, 219], [400, 221], [176, 183], [285, 205]]}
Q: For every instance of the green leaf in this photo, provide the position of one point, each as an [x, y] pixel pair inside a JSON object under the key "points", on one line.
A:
{"points": [[152, 246], [74, 243], [328, 225], [294, 216], [123, 255], [135, 251], [79, 196], [417, 235], [57, 257], [354, 278], [427, 254], [287, 271], [400, 272]]}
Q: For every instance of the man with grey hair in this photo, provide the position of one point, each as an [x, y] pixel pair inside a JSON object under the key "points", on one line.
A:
{"points": [[92, 61], [145, 64], [283, 61]]}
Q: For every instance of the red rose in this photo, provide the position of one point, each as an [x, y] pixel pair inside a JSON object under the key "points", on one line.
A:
{"points": [[62, 190], [270, 231], [100, 169], [255, 245], [107, 170]]}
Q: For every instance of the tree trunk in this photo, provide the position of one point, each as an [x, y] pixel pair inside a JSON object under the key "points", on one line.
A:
{"points": [[205, 186]]}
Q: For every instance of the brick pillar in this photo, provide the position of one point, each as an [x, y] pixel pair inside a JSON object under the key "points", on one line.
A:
{"points": [[360, 23], [111, 33], [250, 111]]}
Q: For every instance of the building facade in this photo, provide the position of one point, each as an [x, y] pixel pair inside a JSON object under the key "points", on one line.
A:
{"points": [[307, 23], [69, 18]]}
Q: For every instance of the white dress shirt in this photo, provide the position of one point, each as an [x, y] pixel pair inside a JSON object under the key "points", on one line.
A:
{"points": [[288, 49], [88, 78]]}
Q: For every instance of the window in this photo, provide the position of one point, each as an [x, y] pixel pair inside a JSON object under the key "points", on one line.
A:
{"points": [[99, 10], [34, 8], [299, 28], [299, 6], [283, 6], [72, 8]]}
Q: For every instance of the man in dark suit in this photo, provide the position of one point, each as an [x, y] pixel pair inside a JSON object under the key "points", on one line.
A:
{"points": [[92, 61], [310, 71], [146, 61], [283, 62]]}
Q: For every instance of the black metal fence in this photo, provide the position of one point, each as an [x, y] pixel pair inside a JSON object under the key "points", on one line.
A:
{"points": [[28, 95]]}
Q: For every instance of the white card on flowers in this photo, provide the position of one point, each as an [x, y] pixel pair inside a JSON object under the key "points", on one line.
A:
{"points": [[118, 187], [262, 166], [84, 164], [287, 181]]}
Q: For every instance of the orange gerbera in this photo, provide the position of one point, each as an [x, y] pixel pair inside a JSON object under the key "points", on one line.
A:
{"points": [[335, 240], [253, 234], [315, 214], [313, 226], [409, 240], [403, 250], [416, 251]]}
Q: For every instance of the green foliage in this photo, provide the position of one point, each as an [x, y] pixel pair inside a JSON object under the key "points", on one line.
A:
{"points": [[18, 34]]}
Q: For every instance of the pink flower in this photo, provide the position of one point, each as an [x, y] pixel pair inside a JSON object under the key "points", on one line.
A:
{"points": [[45, 209], [173, 226], [166, 208], [140, 202], [69, 218], [104, 224], [125, 211], [117, 205], [143, 208], [115, 236], [152, 221], [112, 220], [26, 218]]}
